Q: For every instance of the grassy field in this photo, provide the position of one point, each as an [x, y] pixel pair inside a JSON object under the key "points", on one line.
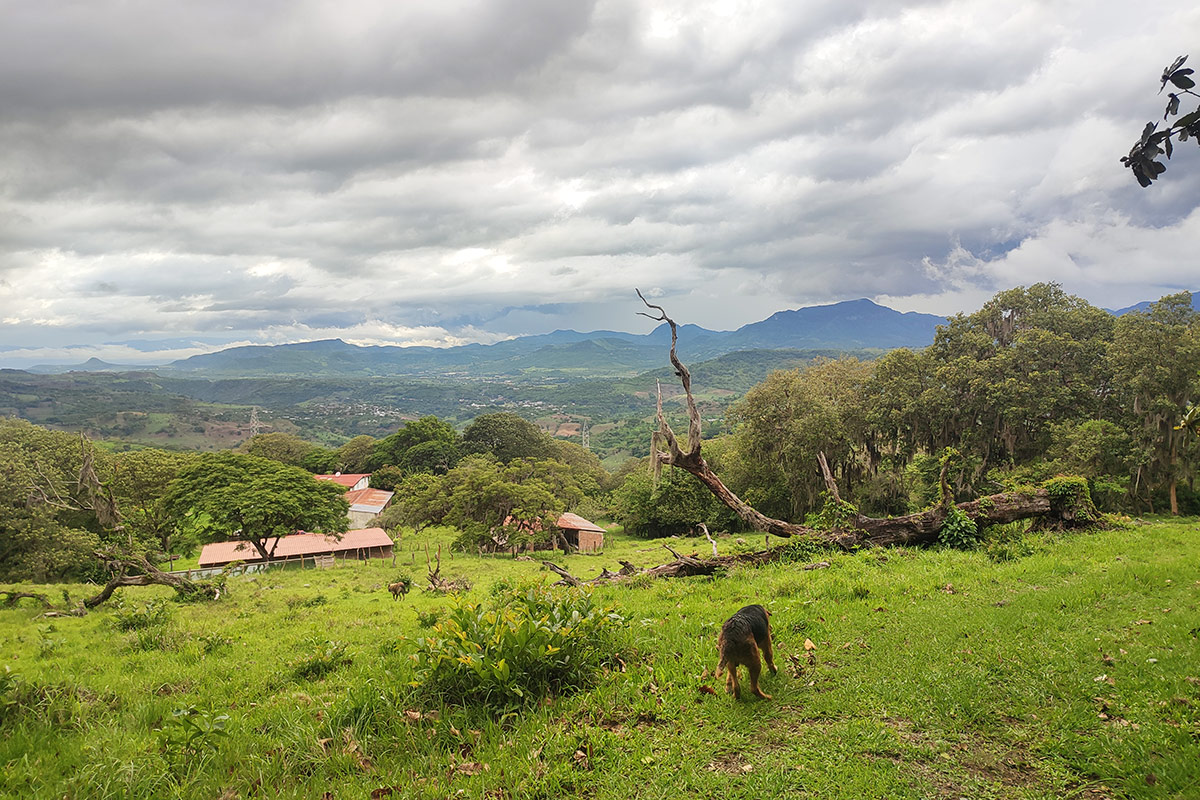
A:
{"points": [[1044, 667]]}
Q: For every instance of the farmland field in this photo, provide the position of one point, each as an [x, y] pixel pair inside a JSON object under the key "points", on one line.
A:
{"points": [[1043, 666]]}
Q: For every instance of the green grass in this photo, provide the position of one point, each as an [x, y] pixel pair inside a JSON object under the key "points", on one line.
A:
{"points": [[1070, 668]]}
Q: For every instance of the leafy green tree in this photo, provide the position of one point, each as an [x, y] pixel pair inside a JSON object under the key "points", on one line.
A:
{"points": [[515, 502], [1155, 357], [677, 504], [48, 530], [1028, 357], [439, 454], [355, 455], [231, 496], [286, 448], [786, 421], [387, 478], [140, 481], [507, 436]]}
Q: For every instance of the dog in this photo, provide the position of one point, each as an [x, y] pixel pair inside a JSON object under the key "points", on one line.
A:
{"points": [[398, 590], [742, 638]]}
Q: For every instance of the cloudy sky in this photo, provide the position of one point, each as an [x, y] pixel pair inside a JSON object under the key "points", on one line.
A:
{"points": [[180, 176]]}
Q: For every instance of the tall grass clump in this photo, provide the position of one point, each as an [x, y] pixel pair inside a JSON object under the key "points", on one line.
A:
{"points": [[523, 643]]}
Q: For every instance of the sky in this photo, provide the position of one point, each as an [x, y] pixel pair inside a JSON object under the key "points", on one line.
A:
{"points": [[179, 177]]}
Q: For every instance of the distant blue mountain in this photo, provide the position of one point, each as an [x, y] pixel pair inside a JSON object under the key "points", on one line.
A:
{"points": [[852, 325], [1145, 305]]}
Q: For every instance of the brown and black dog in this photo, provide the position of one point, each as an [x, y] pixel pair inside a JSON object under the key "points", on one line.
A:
{"points": [[742, 637]]}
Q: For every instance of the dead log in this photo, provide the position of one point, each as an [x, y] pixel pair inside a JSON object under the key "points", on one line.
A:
{"points": [[146, 574], [12, 596], [919, 528]]}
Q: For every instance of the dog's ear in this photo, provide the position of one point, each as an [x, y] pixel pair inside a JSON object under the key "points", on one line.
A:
{"points": [[767, 610]]}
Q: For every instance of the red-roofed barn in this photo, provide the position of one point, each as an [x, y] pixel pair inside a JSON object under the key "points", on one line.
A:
{"points": [[360, 544]]}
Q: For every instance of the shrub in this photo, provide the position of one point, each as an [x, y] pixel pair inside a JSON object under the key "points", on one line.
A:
{"points": [[137, 617], [325, 658], [190, 730], [526, 642], [427, 619], [833, 514], [959, 530]]}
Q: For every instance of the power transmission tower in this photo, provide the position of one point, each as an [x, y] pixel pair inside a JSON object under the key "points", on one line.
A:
{"points": [[255, 425], [585, 435]]}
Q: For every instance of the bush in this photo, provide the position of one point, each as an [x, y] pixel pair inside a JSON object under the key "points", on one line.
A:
{"points": [[526, 642], [138, 617], [959, 530], [324, 658]]}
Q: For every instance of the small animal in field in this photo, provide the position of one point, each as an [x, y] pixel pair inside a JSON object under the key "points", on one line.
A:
{"points": [[398, 589], [742, 638]]}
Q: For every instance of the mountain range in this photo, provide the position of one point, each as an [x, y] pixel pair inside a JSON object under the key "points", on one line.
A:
{"points": [[854, 325], [858, 325]]}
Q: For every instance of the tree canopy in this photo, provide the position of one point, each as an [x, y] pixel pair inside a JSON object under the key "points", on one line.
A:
{"points": [[231, 496]]}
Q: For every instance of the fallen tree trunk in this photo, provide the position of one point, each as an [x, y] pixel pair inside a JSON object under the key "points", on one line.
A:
{"points": [[682, 567], [147, 575], [920, 528]]}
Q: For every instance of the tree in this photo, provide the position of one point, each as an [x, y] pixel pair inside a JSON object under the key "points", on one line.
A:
{"points": [[792, 416], [1143, 156], [47, 530], [676, 504], [286, 448], [1155, 356], [506, 436], [140, 480], [439, 454], [355, 455], [256, 500], [510, 503]]}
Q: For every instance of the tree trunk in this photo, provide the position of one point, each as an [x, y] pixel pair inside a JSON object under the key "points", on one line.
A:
{"points": [[150, 575]]}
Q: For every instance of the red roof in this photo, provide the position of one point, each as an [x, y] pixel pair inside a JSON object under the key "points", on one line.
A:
{"points": [[300, 544], [374, 500], [575, 522], [346, 480]]}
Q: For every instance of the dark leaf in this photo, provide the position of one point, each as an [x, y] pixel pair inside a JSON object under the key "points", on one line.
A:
{"points": [[1149, 129], [1167, 145], [1166, 76], [1183, 135], [1182, 81], [1172, 105], [1141, 177], [1188, 119]]}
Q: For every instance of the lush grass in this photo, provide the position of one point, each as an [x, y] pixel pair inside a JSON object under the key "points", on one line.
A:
{"points": [[1053, 668]]}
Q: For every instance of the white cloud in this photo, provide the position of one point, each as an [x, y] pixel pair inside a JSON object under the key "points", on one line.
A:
{"points": [[471, 170]]}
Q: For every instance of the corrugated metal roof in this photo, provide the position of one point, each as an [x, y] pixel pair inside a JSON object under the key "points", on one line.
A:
{"points": [[578, 523], [299, 544], [372, 500], [343, 480]]}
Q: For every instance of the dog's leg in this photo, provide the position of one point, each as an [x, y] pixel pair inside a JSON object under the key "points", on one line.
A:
{"points": [[731, 682], [768, 651], [755, 669]]}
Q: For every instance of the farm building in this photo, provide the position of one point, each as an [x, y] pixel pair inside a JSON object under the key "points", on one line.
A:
{"points": [[359, 544], [587, 536], [365, 504], [350, 481]]}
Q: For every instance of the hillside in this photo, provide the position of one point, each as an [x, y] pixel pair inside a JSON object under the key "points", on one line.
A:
{"points": [[1044, 667]]}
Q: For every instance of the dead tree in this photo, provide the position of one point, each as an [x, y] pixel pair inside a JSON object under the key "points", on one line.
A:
{"points": [[919, 528], [136, 570]]}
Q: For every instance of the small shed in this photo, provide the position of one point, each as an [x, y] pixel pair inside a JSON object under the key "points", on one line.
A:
{"points": [[587, 536], [365, 504], [360, 544]]}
